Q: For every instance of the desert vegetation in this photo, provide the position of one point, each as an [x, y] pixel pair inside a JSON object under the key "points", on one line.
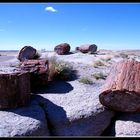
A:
{"points": [[124, 56], [71, 86], [85, 80], [98, 63], [99, 75], [59, 69]]}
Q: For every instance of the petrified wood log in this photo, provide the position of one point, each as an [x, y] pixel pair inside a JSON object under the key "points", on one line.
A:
{"points": [[87, 48], [27, 52], [121, 91], [62, 49], [14, 89], [39, 70]]}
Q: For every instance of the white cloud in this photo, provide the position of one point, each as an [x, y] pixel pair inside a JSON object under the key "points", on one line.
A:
{"points": [[50, 9]]}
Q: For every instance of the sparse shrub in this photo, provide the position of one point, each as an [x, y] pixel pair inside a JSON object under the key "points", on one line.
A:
{"points": [[86, 80], [106, 59], [124, 56], [98, 63], [99, 75], [117, 56], [60, 69]]}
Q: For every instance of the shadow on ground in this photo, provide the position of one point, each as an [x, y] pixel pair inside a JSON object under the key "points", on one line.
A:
{"points": [[123, 116], [56, 86], [30, 110], [36, 109]]}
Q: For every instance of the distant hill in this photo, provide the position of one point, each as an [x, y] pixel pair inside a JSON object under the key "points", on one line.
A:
{"points": [[9, 50]]}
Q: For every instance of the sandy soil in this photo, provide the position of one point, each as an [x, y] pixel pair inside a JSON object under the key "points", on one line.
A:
{"points": [[83, 63]]}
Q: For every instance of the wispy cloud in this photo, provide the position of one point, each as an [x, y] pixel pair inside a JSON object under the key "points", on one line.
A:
{"points": [[50, 9]]}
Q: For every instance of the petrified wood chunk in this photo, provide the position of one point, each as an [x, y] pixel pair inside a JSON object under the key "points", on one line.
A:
{"points": [[62, 49], [121, 91], [87, 48], [39, 70], [27, 52], [14, 89]]}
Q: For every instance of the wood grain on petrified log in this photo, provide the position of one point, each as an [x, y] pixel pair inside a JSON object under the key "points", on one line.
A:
{"points": [[91, 48], [121, 91], [39, 71], [14, 89], [27, 52]]}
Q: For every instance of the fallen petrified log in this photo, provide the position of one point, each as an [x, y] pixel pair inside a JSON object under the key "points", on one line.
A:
{"points": [[39, 70], [87, 48], [121, 91], [27, 52], [62, 49], [14, 89]]}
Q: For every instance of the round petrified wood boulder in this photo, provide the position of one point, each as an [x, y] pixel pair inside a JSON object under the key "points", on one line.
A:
{"points": [[62, 49], [87, 48], [39, 70], [121, 91], [14, 89], [27, 52]]}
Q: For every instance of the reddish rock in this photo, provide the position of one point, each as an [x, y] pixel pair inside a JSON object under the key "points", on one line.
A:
{"points": [[87, 48], [14, 89], [39, 70], [62, 49], [121, 91], [27, 52]]}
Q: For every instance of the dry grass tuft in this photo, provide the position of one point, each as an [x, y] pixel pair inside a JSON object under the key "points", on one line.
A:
{"points": [[98, 63], [99, 75], [86, 80], [60, 69]]}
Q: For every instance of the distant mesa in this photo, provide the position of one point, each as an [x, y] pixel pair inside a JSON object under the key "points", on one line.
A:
{"points": [[87, 48], [27, 52], [62, 49]]}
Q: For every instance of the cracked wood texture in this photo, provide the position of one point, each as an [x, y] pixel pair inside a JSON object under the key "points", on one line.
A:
{"points": [[121, 91], [39, 71], [14, 90]]}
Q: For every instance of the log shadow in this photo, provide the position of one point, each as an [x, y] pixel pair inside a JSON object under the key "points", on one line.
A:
{"points": [[44, 103], [110, 130], [38, 106], [54, 114], [56, 86], [134, 117]]}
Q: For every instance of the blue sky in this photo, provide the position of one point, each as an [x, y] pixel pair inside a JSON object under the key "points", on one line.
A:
{"points": [[44, 25]]}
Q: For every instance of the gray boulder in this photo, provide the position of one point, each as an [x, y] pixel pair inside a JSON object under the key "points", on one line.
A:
{"points": [[74, 110], [25, 121]]}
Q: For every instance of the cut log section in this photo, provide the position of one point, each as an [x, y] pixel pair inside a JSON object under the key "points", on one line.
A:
{"points": [[62, 49], [39, 70], [27, 52], [87, 48], [14, 89], [121, 91]]}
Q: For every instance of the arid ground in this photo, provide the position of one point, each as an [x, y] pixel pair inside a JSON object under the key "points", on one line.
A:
{"points": [[71, 104]]}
